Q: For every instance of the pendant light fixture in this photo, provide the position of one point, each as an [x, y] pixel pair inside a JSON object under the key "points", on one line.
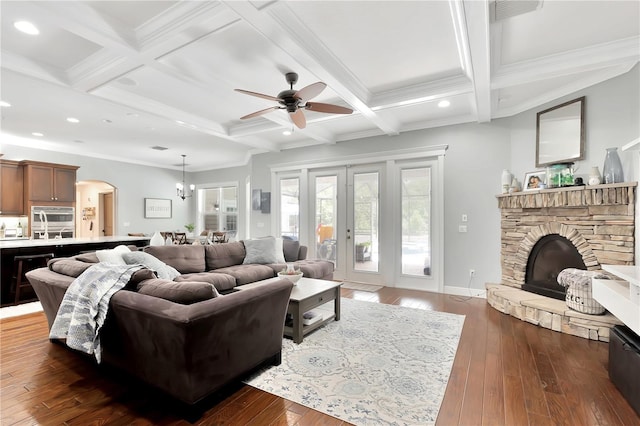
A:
{"points": [[180, 187]]}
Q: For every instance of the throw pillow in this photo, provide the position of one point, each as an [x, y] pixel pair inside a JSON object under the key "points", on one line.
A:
{"points": [[291, 248], [279, 251], [184, 292], [163, 270], [261, 251], [113, 255]]}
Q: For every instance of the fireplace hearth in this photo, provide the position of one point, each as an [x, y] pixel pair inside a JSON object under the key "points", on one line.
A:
{"points": [[549, 256]]}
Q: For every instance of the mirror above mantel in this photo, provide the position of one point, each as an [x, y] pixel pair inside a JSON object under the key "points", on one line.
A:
{"points": [[560, 133]]}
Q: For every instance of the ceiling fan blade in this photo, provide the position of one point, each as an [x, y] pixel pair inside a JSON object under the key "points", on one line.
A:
{"points": [[257, 113], [259, 95], [310, 91], [298, 119], [328, 108]]}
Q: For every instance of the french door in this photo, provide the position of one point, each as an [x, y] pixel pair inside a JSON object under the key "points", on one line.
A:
{"points": [[347, 221], [378, 221]]}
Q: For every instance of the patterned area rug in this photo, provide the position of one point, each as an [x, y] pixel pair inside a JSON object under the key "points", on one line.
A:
{"points": [[379, 365]]}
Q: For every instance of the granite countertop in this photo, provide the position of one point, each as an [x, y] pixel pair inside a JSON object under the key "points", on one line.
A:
{"points": [[22, 243]]}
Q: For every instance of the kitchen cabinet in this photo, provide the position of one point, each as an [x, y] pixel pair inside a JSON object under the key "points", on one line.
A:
{"points": [[49, 183], [11, 188]]}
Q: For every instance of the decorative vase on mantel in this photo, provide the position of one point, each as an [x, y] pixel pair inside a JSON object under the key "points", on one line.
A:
{"points": [[506, 181], [594, 176], [612, 170]]}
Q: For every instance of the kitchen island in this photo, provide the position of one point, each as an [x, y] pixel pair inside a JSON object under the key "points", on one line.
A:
{"points": [[9, 248]]}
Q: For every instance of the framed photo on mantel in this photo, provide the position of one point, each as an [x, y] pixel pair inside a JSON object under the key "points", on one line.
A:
{"points": [[157, 208], [534, 180]]}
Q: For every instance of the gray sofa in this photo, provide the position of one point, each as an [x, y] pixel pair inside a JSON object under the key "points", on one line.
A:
{"points": [[186, 339]]}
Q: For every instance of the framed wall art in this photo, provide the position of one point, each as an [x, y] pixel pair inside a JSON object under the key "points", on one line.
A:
{"points": [[157, 208]]}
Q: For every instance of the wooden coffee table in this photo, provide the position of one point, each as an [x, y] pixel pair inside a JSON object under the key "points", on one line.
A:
{"points": [[310, 293]]}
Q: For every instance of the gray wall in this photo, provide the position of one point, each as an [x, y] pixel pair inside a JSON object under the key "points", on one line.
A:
{"points": [[473, 163], [612, 120]]}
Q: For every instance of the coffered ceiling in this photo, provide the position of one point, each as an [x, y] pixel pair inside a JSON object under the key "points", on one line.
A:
{"points": [[143, 74]]}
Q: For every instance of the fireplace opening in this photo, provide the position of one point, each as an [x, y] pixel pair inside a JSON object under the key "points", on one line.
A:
{"points": [[549, 256]]}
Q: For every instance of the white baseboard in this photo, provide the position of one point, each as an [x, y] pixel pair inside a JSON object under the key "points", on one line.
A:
{"points": [[465, 291]]}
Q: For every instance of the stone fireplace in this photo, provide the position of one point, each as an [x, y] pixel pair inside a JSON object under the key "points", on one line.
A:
{"points": [[546, 231]]}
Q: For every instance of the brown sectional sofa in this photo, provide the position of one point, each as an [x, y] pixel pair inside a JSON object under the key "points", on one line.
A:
{"points": [[194, 348], [221, 264]]}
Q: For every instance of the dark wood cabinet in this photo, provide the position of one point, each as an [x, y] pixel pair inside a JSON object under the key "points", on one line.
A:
{"points": [[50, 183], [11, 188]]}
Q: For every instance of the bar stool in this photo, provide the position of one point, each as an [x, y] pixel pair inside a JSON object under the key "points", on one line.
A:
{"points": [[33, 261]]}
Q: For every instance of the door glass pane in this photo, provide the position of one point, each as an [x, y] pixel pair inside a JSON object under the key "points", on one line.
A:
{"points": [[290, 208], [220, 210], [416, 211], [326, 217], [365, 220]]}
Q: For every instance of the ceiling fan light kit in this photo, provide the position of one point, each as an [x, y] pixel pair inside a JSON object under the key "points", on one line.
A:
{"points": [[294, 101]]}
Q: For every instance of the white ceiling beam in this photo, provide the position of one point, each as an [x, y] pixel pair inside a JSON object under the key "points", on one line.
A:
{"points": [[420, 93], [39, 70], [278, 24], [619, 52], [477, 22]]}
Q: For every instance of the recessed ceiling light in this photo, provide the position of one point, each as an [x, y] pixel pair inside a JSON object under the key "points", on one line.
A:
{"points": [[26, 27], [287, 132], [37, 134], [444, 104], [72, 120], [179, 122], [106, 120], [4, 104]]}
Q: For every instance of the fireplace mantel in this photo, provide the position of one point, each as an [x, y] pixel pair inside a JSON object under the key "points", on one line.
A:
{"points": [[571, 196]]}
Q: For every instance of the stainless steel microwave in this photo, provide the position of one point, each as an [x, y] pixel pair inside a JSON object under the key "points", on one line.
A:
{"points": [[58, 220]]}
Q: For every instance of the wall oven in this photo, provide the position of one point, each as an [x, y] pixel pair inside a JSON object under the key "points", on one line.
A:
{"points": [[60, 221]]}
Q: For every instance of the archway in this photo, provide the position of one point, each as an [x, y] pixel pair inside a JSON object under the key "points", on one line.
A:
{"points": [[92, 220]]}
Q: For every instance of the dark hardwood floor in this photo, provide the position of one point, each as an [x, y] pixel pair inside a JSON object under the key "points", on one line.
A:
{"points": [[506, 372]]}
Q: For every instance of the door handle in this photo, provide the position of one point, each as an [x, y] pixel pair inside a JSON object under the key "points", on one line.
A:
{"points": [[348, 234]]}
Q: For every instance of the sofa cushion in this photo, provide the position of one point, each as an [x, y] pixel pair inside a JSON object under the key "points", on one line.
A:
{"points": [[245, 274], [321, 269], [185, 258], [223, 255], [68, 266], [87, 257], [260, 251], [290, 249], [163, 270], [220, 281], [184, 292]]}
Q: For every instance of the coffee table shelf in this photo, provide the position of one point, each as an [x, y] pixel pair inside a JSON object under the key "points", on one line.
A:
{"points": [[308, 294]]}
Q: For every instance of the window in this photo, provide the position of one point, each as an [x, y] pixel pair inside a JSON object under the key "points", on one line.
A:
{"points": [[416, 220], [290, 208], [219, 208]]}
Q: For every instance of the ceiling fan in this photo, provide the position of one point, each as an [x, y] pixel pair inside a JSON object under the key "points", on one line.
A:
{"points": [[294, 101]]}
